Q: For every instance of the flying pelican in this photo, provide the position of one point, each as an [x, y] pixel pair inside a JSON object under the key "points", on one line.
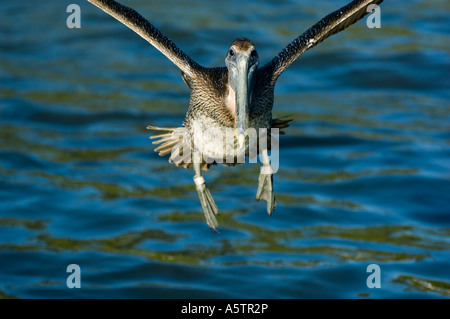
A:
{"points": [[238, 97]]}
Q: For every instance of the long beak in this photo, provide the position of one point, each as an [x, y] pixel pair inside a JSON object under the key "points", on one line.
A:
{"points": [[242, 98]]}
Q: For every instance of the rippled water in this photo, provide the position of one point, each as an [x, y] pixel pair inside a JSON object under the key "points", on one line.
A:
{"points": [[364, 169]]}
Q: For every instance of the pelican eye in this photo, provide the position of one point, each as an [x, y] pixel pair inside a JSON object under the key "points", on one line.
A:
{"points": [[253, 53], [231, 52]]}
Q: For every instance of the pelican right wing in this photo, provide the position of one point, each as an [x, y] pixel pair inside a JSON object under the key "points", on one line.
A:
{"points": [[150, 33], [333, 23]]}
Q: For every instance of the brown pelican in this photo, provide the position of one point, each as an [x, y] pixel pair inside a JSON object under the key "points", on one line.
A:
{"points": [[238, 97]]}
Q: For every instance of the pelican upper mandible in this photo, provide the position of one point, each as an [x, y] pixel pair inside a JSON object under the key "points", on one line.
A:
{"points": [[234, 98]]}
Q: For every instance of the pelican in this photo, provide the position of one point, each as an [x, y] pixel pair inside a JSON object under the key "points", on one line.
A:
{"points": [[236, 97]]}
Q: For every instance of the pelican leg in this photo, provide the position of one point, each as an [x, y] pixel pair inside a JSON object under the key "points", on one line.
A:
{"points": [[208, 205], [265, 184]]}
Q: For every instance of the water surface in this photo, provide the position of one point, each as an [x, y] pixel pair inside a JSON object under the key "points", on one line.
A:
{"points": [[364, 169]]}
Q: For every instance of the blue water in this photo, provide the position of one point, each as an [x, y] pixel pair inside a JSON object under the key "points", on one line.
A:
{"points": [[364, 173]]}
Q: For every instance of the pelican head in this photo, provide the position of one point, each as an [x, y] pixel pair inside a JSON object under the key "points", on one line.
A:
{"points": [[242, 61]]}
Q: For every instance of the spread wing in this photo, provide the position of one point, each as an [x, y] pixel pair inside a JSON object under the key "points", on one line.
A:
{"points": [[149, 32], [333, 23]]}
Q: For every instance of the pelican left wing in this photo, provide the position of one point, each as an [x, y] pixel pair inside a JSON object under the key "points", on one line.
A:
{"points": [[150, 33]]}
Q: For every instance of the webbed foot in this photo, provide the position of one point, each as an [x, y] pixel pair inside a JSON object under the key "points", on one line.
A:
{"points": [[208, 205], [265, 188]]}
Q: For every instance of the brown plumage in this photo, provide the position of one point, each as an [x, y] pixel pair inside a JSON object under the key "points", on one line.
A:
{"points": [[239, 97]]}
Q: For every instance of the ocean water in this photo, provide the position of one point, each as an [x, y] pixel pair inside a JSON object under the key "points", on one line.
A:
{"points": [[364, 173]]}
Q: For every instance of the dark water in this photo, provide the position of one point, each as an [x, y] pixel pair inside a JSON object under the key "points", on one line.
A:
{"points": [[364, 169]]}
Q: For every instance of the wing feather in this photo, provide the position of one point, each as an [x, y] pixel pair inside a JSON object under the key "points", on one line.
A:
{"points": [[333, 23], [150, 33]]}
